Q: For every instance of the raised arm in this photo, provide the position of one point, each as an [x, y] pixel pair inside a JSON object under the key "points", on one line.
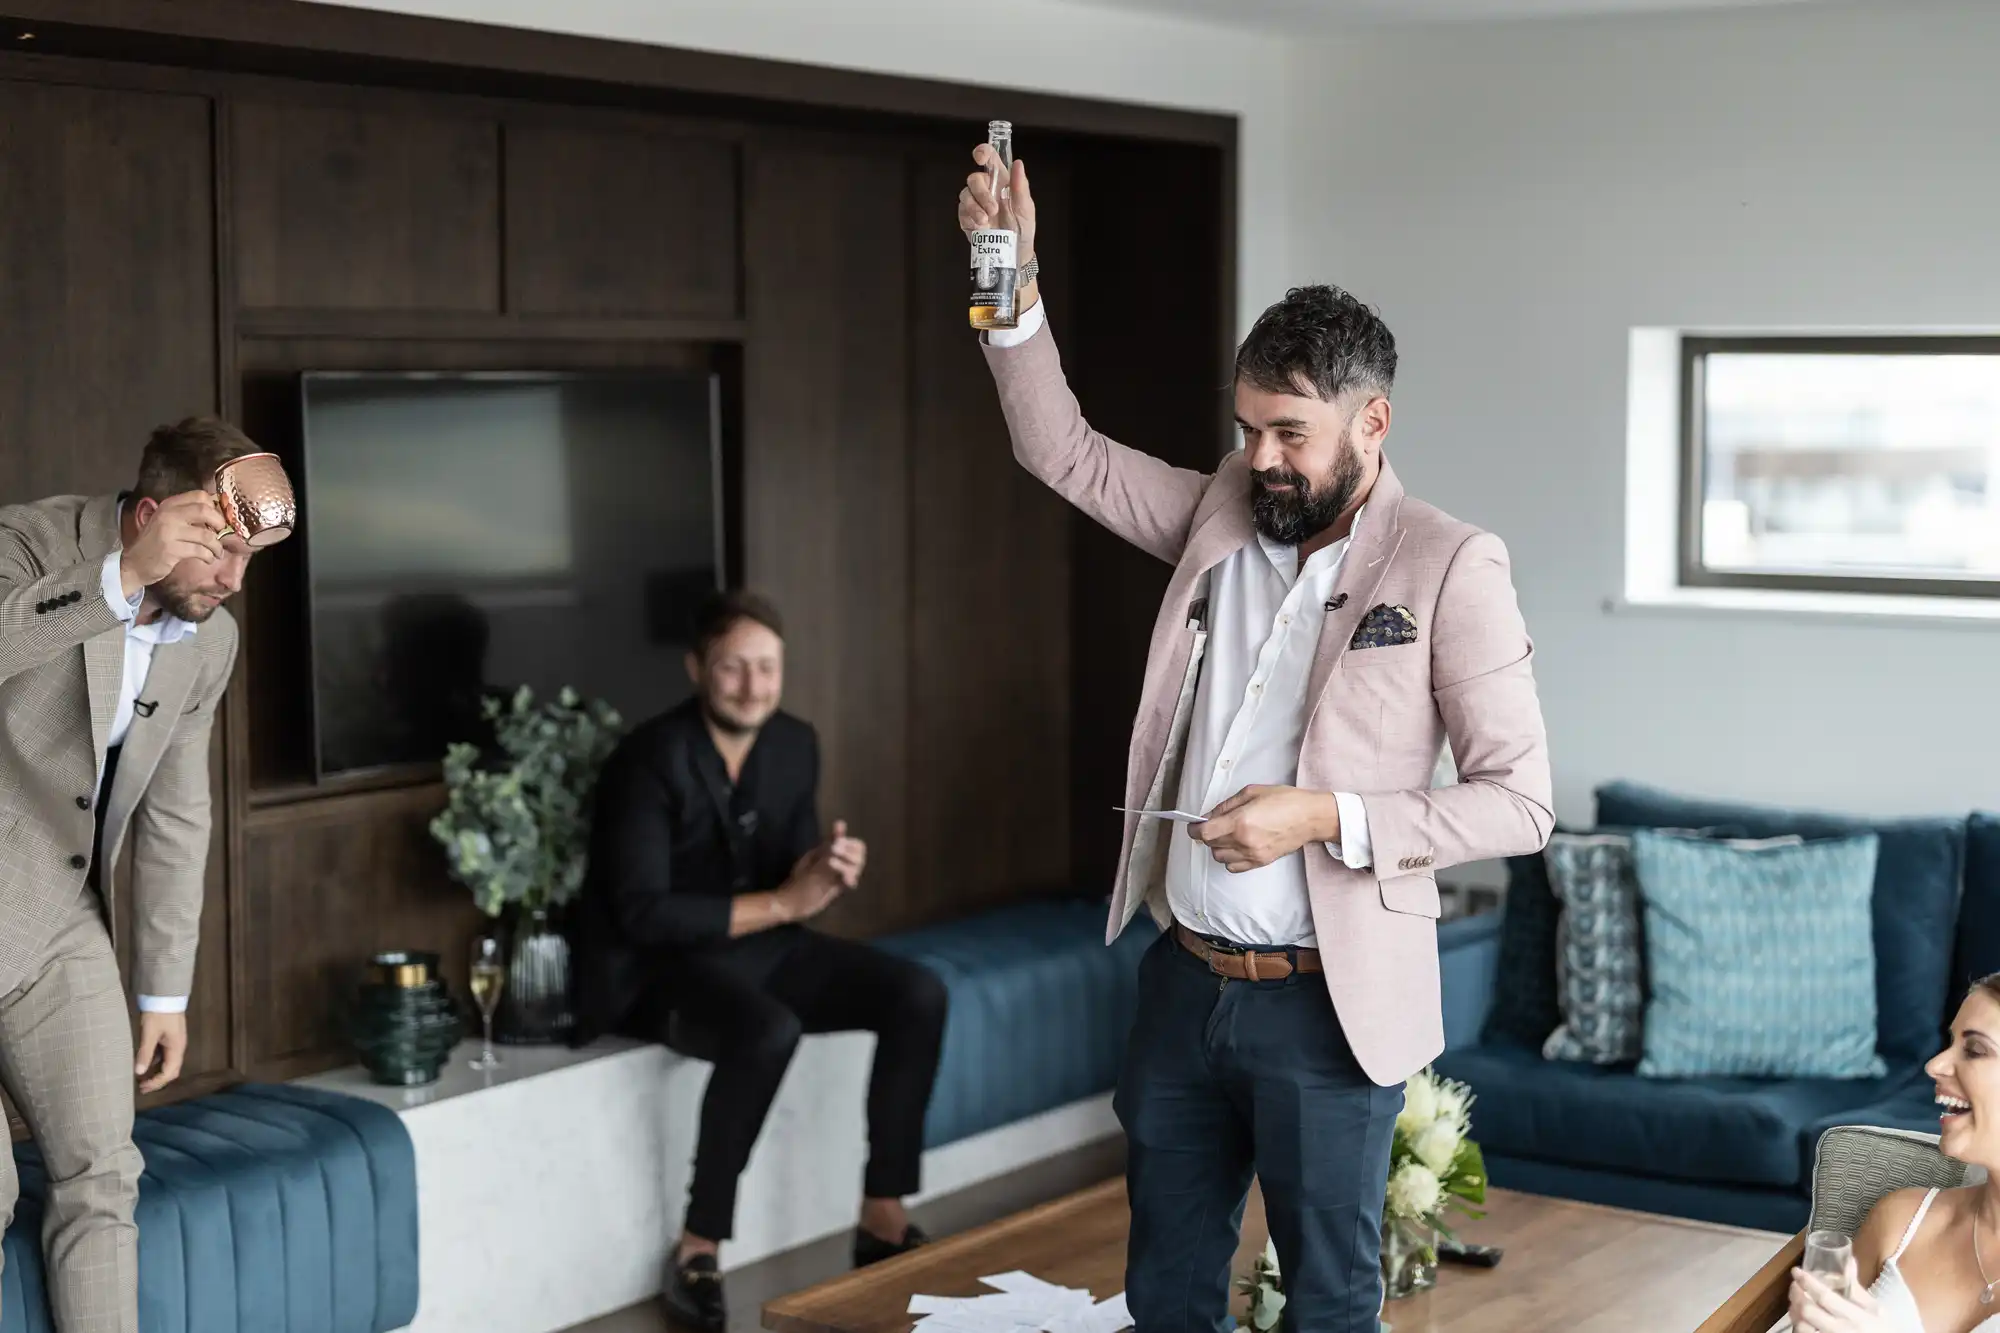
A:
{"points": [[47, 609], [1140, 498]]}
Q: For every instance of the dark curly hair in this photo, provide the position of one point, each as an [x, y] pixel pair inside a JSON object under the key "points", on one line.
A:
{"points": [[1320, 340]]}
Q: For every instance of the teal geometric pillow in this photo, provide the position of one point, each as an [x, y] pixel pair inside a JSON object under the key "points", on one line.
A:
{"points": [[1761, 960], [1600, 961]]}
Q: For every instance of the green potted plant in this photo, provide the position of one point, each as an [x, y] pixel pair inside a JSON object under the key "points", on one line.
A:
{"points": [[515, 830]]}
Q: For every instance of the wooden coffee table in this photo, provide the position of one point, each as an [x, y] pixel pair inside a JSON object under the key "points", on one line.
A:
{"points": [[1570, 1266]]}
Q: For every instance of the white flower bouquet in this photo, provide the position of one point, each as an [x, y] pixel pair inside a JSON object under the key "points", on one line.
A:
{"points": [[1434, 1168]]}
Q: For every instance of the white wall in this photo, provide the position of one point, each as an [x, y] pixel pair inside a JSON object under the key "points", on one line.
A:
{"points": [[1032, 44], [1516, 197]]}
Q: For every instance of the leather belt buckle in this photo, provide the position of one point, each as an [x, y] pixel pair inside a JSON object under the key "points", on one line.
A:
{"points": [[1249, 964], [1266, 967]]}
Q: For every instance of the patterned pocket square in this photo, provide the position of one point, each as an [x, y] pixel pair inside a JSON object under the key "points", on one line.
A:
{"points": [[1384, 627]]}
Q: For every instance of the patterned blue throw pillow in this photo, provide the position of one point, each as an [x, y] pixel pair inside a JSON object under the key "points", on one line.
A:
{"points": [[1600, 962], [1761, 961]]}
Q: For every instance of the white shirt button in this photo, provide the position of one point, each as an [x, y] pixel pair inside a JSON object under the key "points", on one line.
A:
{"points": [[1256, 687]]}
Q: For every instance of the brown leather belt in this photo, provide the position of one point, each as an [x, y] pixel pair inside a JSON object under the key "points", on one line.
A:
{"points": [[1246, 964]]}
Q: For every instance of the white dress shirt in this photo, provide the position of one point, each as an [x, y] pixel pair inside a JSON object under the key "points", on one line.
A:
{"points": [[1250, 710], [140, 640]]}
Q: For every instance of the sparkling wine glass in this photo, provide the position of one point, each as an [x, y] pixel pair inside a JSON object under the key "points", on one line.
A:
{"points": [[489, 976], [1827, 1256]]}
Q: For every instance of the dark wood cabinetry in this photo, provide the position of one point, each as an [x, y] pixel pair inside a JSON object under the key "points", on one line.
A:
{"points": [[205, 198]]}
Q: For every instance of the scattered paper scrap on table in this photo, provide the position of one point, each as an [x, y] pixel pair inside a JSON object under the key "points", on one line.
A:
{"points": [[1021, 1303]]}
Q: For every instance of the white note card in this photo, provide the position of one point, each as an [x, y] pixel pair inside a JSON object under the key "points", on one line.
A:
{"points": [[1177, 816]]}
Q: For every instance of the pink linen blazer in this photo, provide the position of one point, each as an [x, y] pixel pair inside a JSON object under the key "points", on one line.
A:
{"points": [[1377, 717]]}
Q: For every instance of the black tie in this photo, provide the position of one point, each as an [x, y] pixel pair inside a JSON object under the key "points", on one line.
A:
{"points": [[95, 878]]}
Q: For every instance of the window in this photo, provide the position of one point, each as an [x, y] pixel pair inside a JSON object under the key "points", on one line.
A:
{"points": [[1841, 464]]}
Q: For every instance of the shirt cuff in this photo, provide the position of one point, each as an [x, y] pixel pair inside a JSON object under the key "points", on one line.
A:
{"points": [[163, 1004], [113, 584], [1355, 850], [1030, 324]]}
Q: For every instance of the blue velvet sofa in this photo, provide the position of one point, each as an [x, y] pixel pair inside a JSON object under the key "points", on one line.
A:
{"points": [[1727, 1150], [1038, 1012], [264, 1209]]}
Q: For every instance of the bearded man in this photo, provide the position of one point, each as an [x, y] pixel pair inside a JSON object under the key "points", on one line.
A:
{"points": [[1322, 637]]}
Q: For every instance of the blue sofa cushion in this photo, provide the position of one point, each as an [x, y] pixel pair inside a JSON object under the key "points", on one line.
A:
{"points": [[1039, 1010], [1761, 1208], [1979, 916], [1524, 1009], [1729, 1131], [1915, 903], [1761, 957], [263, 1208]]}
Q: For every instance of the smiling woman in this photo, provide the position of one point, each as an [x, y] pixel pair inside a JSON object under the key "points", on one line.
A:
{"points": [[1932, 1255]]}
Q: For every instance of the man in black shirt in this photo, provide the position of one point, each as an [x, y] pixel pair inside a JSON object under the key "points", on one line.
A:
{"points": [[705, 861]]}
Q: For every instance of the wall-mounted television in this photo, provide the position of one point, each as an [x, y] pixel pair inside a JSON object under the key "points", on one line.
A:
{"points": [[466, 534]]}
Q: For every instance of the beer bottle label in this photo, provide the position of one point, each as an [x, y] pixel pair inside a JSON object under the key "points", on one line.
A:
{"points": [[994, 251]]}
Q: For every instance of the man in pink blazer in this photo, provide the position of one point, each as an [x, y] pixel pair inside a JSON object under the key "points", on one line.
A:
{"points": [[1323, 636]]}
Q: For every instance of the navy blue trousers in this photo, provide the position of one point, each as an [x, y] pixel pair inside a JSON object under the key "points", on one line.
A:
{"points": [[1226, 1080]]}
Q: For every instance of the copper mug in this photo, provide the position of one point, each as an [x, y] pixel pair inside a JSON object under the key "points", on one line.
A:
{"points": [[255, 498]]}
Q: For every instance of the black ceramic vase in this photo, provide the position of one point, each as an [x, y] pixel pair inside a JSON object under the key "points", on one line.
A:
{"points": [[534, 1004]]}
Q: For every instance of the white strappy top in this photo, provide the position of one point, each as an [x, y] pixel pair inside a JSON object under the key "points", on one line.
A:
{"points": [[1899, 1307]]}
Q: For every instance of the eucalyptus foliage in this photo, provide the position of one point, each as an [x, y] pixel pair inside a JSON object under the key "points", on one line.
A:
{"points": [[516, 829]]}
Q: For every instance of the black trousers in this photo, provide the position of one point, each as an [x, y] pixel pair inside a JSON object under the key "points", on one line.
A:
{"points": [[1224, 1080], [747, 1003]]}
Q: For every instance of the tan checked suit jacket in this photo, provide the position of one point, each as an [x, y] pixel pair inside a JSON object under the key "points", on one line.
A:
{"points": [[62, 661], [1377, 717]]}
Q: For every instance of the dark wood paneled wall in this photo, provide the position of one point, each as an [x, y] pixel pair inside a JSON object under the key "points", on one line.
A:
{"points": [[184, 236], [826, 480], [990, 608], [341, 208], [1153, 381]]}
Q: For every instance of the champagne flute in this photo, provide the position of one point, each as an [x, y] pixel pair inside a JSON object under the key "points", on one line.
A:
{"points": [[1827, 1256], [489, 976]]}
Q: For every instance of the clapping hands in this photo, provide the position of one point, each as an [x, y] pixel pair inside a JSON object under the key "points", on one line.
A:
{"points": [[823, 874]]}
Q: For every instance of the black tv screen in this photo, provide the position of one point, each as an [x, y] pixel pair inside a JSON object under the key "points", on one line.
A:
{"points": [[470, 533]]}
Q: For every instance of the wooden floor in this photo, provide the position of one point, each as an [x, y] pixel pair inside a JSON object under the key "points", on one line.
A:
{"points": [[1569, 1266], [750, 1287]]}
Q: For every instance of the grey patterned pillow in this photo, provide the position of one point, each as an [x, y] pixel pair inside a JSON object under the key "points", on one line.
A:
{"points": [[1600, 956]]}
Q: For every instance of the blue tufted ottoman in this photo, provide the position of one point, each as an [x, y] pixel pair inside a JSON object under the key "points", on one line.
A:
{"points": [[264, 1209]]}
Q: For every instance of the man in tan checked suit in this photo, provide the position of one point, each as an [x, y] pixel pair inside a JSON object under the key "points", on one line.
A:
{"points": [[107, 697]]}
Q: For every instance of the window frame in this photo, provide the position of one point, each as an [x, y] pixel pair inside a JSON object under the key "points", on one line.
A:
{"points": [[1694, 352]]}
